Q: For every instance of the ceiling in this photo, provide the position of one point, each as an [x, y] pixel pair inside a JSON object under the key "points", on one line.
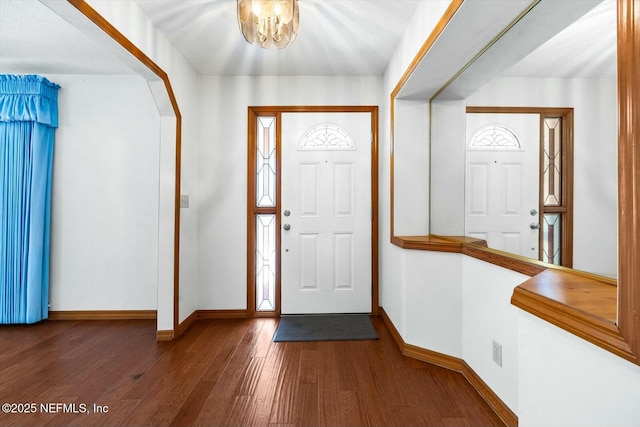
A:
{"points": [[34, 40], [337, 37]]}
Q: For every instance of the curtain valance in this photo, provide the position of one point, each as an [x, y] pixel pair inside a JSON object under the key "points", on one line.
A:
{"points": [[28, 98]]}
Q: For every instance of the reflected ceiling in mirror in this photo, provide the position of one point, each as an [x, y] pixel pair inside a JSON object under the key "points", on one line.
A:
{"points": [[539, 32], [585, 49]]}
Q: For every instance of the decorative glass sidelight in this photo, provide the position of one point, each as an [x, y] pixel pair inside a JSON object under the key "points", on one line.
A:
{"points": [[265, 213], [551, 227], [552, 218], [265, 262], [552, 161], [266, 161]]}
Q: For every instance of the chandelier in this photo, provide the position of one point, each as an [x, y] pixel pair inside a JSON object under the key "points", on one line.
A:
{"points": [[269, 22]]}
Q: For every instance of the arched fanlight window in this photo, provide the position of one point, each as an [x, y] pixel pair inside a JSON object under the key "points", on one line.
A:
{"points": [[494, 137], [326, 136]]}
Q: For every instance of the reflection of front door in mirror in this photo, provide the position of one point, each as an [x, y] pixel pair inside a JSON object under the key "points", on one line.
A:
{"points": [[502, 184], [326, 205]]}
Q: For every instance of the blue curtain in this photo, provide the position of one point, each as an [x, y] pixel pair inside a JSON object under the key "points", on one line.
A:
{"points": [[28, 118]]}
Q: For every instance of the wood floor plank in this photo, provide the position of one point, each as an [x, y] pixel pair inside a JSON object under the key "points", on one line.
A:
{"points": [[350, 356], [352, 411], [329, 413], [372, 397], [306, 405], [193, 404], [223, 373], [166, 383], [223, 395], [266, 387], [190, 401], [163, 416], [18, 339], [263, 343], [235, 332], [249, 381], [52, 360], [282, 410], [384, 380], [308, 367], [328, 374], [236, 413], [405, 416], [99, 371], [455, 422]]}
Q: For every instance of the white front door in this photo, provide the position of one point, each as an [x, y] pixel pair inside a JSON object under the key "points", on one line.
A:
{"points": [[326, 213], [502, 181]]}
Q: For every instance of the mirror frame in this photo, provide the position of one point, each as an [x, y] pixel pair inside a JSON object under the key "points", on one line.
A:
{"points": [[622, 337], [629, 175]]}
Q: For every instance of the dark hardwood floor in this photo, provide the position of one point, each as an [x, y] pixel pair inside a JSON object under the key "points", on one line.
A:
{"points": [[221, 372]]}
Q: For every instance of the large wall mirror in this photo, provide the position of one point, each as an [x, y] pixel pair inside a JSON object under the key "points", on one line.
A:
{"points": [[500, 170], [539, 150]]}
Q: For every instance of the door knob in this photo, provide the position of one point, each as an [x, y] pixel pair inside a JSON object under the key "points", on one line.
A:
{"points": [[287, 212], [286, 227], [534, 225]]}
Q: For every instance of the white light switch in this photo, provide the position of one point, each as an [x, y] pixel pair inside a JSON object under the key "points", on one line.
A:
{"points": [[184, 201]]}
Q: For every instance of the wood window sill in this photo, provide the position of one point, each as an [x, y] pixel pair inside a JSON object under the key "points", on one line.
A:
{"points": [[578, 302]]}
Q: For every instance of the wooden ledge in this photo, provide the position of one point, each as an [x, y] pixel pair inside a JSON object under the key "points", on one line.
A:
{"points": [[427, 243], [581, 303], [472, 247], [582, 306], [565, 290]]}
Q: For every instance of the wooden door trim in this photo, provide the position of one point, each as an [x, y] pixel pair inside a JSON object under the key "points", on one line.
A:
{"points": [[253, 113]]}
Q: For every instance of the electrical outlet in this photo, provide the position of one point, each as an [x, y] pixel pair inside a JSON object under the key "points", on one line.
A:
{"points": [[184, 201], [497, 353]]}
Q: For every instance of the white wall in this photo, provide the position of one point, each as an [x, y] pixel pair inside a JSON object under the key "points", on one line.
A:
{"points": [[433, 303], [487, 316], [223, 167], [104, 220], [566, 381], [129, 19], [595, 156]]}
